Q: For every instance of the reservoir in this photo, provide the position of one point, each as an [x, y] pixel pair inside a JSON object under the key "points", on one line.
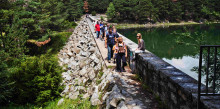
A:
{"points": [[178, 45]]}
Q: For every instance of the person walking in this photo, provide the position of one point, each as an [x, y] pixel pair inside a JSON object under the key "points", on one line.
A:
{"points": [[109, 43], [97, 29], [101, 29], [121, 50]]}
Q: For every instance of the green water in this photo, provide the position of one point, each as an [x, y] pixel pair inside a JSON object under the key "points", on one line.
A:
{"points": [[162, 43]]}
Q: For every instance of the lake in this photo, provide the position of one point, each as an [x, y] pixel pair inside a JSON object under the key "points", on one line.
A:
{"points": [[162, 42]]}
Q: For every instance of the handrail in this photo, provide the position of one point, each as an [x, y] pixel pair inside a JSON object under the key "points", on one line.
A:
{"points": [[207, 92]]}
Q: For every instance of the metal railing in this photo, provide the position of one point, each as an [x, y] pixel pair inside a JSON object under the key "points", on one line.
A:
{"points": [[210, 76]]}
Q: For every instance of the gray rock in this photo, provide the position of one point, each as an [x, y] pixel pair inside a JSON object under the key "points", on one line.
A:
{"points": [[95, 97], [122, 105], [65, 90], [60, 101], [114, 98], [76, 50], [83, 72], [74, 95], [91, 75], [66, 76], [86, 96]]}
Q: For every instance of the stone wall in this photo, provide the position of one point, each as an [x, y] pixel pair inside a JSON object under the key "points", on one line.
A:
{"points": [[175, 88]]}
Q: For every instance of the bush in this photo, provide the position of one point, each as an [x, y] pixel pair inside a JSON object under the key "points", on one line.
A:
{"points": [[93, 13], [102, 19], [5, 85], [37, 80]]}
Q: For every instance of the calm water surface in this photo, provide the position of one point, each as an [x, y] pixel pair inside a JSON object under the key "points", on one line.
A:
{"points": [[162, 43]]}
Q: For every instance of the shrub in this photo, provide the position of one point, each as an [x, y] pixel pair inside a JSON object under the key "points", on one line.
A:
{"points": [[93, 13], [102, 19], [5, 85], [37, 80]]}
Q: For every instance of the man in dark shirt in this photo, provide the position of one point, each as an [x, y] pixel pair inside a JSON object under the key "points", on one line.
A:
{"points": [[109, 43]]}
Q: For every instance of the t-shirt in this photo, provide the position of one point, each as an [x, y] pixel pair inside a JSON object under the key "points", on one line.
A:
{"points": [[97, 27], [110, 39], [101, 25]]}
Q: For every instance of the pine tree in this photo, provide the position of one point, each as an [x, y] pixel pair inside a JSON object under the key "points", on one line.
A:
{"points": [[145, 10], [99, 6], [110, 12]]}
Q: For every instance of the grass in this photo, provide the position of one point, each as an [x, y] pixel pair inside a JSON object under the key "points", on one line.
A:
{"points": [[100, 74], [67, 104], [71, 104], [110, 67]]}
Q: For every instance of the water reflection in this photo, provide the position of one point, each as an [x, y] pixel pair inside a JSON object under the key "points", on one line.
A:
{"points": [[162, 43], [185, 64]]}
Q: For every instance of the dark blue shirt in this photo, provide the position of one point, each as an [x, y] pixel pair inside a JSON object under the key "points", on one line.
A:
{"points": [[116, 35], [110, 39]]}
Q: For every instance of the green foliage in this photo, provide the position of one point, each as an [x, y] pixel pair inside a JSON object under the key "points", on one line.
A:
{"points": [[99, 6], [71, 104], [165, 10], [145, 10], [74, 9], [93, 13], [37, 80], [5, 84], [58, 40], [102, 19], [111, 12]]}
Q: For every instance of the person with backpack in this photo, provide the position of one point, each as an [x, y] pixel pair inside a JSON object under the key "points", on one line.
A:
{"points": [[121, 50], [109, 43]]}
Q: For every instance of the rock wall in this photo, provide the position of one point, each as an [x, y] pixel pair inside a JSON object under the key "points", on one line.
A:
{"points": [[86, 72]]}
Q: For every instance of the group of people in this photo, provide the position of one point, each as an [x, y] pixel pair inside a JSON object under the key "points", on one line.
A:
{"points": [[117, 50]]}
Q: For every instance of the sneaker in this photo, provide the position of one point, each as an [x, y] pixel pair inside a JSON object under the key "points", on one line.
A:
{"points": [[108, 61], [114, 62]]}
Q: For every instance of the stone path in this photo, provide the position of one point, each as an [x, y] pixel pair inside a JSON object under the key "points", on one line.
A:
{"points": [[131, 89], [101, 44]]}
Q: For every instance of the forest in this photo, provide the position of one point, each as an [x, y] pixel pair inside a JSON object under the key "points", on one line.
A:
{"points": [[29, 71], [144, 11]]}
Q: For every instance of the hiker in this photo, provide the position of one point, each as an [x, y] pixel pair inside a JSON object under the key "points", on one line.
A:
{"points": [[106, 28], [101, 28], [97, 29], [121, 55], [115, 51], [115, 32], [103, 31], [109, 43]]}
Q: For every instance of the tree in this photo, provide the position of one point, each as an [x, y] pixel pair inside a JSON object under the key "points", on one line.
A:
{"points": [[100, 6], [86, 6], [145, 11], [175, 11], [111, 12], [74, 9]]}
